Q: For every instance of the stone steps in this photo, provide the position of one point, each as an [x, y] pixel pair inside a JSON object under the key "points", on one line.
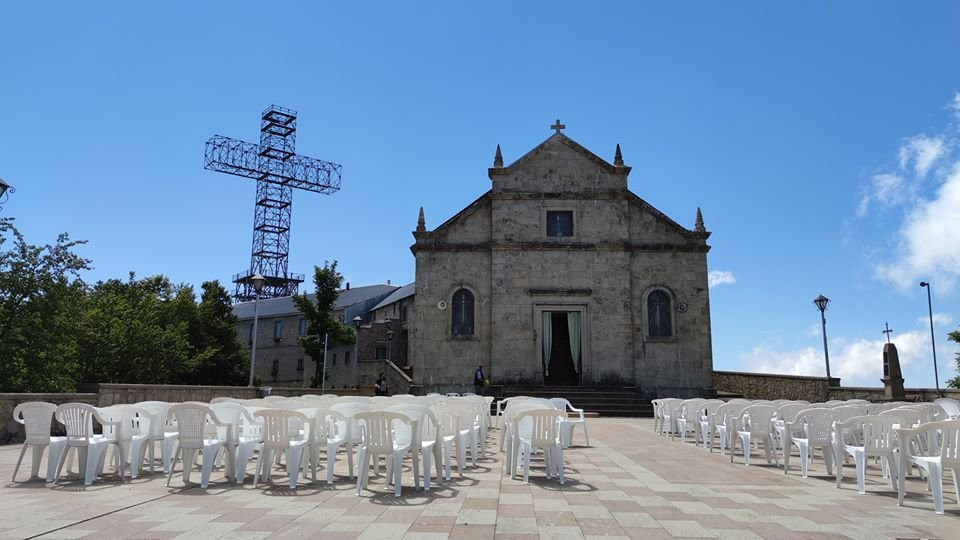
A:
{"points": [[604, 401]]}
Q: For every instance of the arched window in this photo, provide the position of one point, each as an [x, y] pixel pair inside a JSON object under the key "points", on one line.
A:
{"points": [[659, 323], [462, 313]]}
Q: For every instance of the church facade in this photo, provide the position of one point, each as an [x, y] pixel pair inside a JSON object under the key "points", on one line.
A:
{"points": [[560, 275]]}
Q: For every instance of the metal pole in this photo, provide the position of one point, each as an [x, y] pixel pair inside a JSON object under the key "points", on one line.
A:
{"points": [[826, 352], [253, 350], [323, 374], [933, 341]]}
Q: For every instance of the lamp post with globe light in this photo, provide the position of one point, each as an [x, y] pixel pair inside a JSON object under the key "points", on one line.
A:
{"points": [[821, 302]]}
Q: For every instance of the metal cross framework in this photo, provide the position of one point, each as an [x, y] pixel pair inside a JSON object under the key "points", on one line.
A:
{"points": [[278, 170]]}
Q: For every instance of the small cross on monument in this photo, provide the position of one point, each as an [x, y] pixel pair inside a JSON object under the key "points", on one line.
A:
{"points": [[558, 126], [887, 331]]}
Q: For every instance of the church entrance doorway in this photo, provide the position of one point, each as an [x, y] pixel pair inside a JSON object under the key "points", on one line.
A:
{"points": [[561, 347]]}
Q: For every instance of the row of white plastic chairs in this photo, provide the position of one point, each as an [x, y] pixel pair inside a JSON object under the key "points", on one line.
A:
{"points": [[922, 435], [230, 430]]}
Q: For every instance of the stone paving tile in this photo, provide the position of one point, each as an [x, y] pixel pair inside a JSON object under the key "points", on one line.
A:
{"points": [[630, 484]]}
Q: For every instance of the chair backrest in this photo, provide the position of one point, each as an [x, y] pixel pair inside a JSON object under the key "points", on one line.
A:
{"points": [[560, 404], [380, 429], [757, 418], [710, 406], [857, 402], [231, 413], [274, 398], [36, 417], [224, 399], [126, 421], [817, 424], [159, 410], [874, 433], [947, 435], [849, 411], [835, 403], [540, 427], [192, 422], [77, 419], [277, 430], [416, 413], [950, 406], [728, 411], [788, 411], [909, 417], [690, 408]]}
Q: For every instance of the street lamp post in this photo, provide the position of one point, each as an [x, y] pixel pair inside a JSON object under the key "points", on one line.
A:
{"points": [[821, 302], [5, 191], [357, 321], [258, 281], [389, 344], [933, 342]]}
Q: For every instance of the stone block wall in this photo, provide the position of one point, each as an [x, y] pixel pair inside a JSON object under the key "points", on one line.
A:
{"points": [[771, 386]]}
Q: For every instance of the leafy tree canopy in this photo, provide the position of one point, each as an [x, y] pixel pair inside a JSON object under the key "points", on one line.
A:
{"points": [[320, 318]]}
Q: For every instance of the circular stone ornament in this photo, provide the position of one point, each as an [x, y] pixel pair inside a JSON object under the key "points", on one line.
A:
{"points": [[682, 307]]}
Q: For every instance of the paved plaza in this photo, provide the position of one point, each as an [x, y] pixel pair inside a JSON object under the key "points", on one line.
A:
{"points": [[631, 483]]}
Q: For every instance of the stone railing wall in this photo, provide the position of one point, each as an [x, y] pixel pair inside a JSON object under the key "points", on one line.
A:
{"points": [[103, 395], [876, 394], [770, 386]]}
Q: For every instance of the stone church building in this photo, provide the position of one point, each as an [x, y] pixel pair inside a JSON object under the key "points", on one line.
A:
{"points": [[560, 275]]}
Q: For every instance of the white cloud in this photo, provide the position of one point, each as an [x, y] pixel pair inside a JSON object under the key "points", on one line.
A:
{"points": [[939, 319], [923, 151], [720, 277], [885, 188], [955, 104], [858, 362], [929, 239]]}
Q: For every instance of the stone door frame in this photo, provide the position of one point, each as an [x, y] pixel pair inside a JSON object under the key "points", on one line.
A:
{"points": [[585, 372]]}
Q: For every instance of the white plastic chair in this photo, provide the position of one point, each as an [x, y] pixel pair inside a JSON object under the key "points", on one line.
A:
{"points": [[809, 430], [754, 426], [688, 417], [37, 417], [567, 425], [786, 412], [238, 445], [192, 437], [91, 448], [707, 410], [387, 434], [162, 430], [539, 429], [132, 432], [725, 423], [277, 436], [425, 438], [943, 457], [864, 437], [349, 428]]}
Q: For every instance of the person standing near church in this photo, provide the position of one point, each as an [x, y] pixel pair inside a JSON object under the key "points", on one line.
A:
{"points": [[381, 385], [478, 380]]}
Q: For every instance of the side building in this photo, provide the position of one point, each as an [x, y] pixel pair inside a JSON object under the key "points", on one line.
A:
{"points": [[281, 360]]}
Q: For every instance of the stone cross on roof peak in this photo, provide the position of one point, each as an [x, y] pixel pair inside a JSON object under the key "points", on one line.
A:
{"points": [[558, 126]]}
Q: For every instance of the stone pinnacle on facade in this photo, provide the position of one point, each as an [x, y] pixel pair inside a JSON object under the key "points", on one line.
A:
{"points": [[618, 157], [421, 222], [699, 225], [498, 159]]}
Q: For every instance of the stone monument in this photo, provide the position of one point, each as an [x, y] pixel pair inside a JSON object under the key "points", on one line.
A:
{"points": [[892, 376]]}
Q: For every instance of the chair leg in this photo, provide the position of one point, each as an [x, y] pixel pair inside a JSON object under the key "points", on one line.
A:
{"points": [[363, 470], [861, 461], [397, 458], [256, 470], [331, 460], [559, 460], [426, 469], [173, 461], [20, 459], [209, 460]]}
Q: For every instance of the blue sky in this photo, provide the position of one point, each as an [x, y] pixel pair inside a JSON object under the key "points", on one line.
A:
{"points": [[821, 141]]}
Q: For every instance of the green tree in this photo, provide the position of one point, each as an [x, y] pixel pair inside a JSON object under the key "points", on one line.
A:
{"points": [[319, 317], [41, 298], [955, 337], [219, 358], [137, 332]]}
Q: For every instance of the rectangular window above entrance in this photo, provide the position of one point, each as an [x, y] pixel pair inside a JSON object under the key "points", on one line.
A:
{"points": [[559, 223]]}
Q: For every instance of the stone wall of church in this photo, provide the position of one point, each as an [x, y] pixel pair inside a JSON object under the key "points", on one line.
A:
{"points": [[680, 365], [441, 361]]}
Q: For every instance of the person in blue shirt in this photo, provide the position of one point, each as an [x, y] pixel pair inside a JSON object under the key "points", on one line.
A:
{"points": [[478, 380]]}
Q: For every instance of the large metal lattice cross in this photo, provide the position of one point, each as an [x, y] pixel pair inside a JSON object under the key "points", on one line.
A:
{"points": [[278, 170]]}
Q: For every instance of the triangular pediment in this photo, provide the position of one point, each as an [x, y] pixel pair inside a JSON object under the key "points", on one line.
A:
{"points": [[558, 142]]}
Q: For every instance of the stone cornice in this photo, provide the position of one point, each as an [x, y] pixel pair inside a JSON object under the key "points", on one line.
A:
{"points": [[559, 246]]}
